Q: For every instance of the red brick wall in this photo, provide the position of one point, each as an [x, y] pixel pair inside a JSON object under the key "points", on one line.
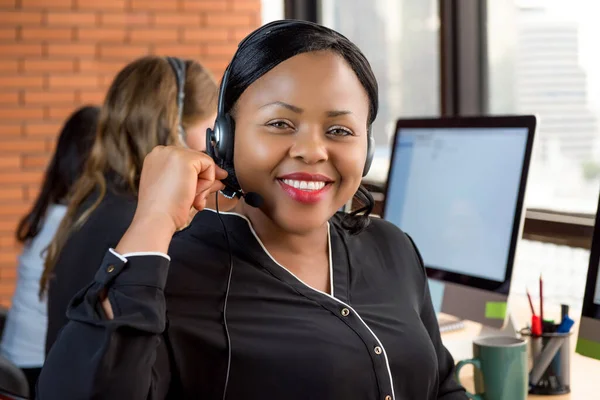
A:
{"points": [[56, 55]]}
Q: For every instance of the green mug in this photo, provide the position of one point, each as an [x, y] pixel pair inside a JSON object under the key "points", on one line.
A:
{"points": [[501, 369]]}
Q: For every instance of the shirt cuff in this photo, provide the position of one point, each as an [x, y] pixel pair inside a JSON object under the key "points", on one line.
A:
{"points": [[124, 257]]}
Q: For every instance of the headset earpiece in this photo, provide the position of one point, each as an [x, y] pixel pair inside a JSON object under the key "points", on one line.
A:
{"points": [[370, 152]]}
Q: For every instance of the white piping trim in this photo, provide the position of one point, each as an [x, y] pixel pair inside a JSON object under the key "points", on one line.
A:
{"points": [[124, 257], [387, 363]]}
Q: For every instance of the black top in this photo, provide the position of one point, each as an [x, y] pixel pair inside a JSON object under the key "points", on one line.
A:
{"points": [[375, 336], [83, 252]]}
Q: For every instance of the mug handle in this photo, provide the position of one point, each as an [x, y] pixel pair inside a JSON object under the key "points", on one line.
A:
{"points": [[459, 366]]}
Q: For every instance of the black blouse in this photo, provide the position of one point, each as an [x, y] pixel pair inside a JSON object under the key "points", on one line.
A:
{"points": [[375, 337]]}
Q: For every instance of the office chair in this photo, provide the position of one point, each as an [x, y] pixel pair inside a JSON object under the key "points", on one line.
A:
{"points": [[13, 383]]}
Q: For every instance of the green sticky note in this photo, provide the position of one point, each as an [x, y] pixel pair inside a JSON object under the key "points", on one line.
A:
{"points": [[495, 310], [588, 348]]}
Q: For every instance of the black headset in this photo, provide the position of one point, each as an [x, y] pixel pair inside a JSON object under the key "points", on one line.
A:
{"points": [[179, 67], [220, 139]]}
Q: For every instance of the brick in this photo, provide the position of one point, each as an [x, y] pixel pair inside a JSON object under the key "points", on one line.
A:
{"points": [[220, 50], [36, 161], [177, 20], [46, 34], [8, 242], [7, 273], [8, 34], [181, 50], [10, 161], [73, 81], [18, 113], [8, 4], [228, 19], [122, 52], [8, 225], [71, 18], [204, 5], [237, 34], [100, 5], [100, 66], [246, 5], [20, 49], [20, 18], [92, 97], [202, 35], [9, 65], [71, 50], [45, 129], [124, 19], [154, 5], [32, 192], [45, 4], [11, 193], [13, 209], [7, 257], [101, 34], [9, 98], [59, 113], [48, 66], [216, 66], [11, 129], [22, 145], [153, 35], [21, 81], [39, 97]]}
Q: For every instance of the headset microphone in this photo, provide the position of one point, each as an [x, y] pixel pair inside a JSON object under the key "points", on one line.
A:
{"points": [[253, 199]]}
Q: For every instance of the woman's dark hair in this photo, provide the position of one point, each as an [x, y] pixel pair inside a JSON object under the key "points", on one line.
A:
{"points": [[72, 148], [265, 50]]}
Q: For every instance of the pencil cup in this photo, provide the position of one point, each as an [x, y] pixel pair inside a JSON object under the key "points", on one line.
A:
{"points": [[550, 363]]}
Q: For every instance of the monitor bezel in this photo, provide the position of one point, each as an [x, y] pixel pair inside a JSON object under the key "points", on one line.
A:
{"points": [[512, 121], [589, 308]]}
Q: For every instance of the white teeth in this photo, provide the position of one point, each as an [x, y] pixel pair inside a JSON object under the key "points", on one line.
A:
{"points": [[305, 185]]}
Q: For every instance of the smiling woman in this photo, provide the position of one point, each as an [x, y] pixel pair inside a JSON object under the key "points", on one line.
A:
{"points": [[287, 299]]}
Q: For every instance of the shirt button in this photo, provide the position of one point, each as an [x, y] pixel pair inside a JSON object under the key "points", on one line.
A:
{"points": [[378, 351], [388, 397], [110, 268], [345, 312]]}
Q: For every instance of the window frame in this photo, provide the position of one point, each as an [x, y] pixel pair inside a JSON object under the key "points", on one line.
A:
{"points": [[465, 92]]}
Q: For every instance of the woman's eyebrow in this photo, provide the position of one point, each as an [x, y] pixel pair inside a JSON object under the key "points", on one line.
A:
{"points": [[298, 110]]}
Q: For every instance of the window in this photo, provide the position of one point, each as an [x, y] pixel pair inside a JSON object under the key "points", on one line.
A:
{"points": [[400, 38], [543, 59]]}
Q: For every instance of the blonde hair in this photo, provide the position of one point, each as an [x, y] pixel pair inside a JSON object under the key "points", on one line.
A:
{"points": [[139, 113]]}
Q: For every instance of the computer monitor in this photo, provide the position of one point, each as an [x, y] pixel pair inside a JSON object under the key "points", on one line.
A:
{"points": [[456, 186], [588, 342]]}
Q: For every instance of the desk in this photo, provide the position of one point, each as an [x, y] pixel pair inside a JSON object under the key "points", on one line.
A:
{"points": [[585, 372]]}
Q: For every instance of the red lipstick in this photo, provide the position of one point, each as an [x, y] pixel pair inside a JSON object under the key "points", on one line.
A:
{"points": [[305, 188]]}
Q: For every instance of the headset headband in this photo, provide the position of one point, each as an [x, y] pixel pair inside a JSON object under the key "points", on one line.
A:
{"points": [[179, 68]]}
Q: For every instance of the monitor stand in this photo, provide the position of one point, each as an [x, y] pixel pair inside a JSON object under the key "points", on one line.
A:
{"points": [[461, 346]]}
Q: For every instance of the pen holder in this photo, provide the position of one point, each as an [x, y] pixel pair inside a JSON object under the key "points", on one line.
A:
{"points": [[550, 362]]}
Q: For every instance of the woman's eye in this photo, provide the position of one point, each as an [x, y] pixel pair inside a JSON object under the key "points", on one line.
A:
{"points": [[339, 131], [279, 124]]}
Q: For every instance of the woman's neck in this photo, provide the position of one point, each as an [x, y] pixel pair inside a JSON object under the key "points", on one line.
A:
{"points": [[278, 240]]}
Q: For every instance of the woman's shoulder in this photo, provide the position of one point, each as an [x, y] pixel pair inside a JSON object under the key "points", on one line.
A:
{"points": [[385, 239]]}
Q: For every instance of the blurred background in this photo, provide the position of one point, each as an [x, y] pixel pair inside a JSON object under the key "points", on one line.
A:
{"points": [[431, 57]]}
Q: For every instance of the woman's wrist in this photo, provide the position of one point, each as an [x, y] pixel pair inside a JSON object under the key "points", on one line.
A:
{"points": [[148, 233]]}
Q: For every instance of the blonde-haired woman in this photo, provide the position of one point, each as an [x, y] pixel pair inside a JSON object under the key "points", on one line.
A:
{"points": [[145, 106]]}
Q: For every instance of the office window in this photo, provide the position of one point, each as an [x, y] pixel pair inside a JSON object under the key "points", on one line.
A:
{"points": [[544, 59], [401, 41]]}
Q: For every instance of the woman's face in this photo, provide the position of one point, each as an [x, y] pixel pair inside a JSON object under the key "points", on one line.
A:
{"points": [[301, 139]]}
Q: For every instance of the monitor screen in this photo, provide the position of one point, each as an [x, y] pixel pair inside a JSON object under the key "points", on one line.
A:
{"points": [[456, 192]]}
